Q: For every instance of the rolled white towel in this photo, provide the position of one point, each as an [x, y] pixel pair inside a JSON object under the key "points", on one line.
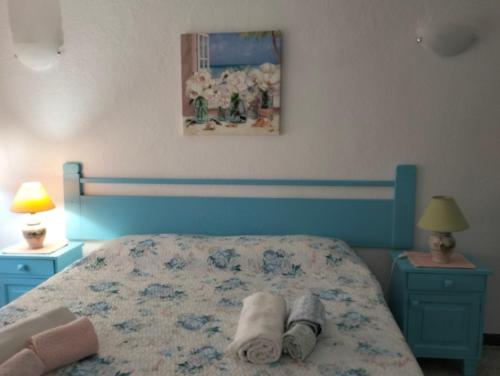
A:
{"points": [[258, 338]]}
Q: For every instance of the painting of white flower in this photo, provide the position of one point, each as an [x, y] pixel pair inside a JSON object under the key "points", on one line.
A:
{"points": [[231, 83]]}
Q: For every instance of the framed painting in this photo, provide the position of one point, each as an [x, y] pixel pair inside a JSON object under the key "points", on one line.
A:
{"points": [[231, 83]]}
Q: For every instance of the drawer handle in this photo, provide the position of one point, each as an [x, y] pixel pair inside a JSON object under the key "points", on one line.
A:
{"points": [[415, 303], [23, 267], [447, 283]]}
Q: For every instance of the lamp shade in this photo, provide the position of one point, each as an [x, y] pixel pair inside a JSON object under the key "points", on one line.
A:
{"points": [[446, 40], [442, 214], [31, 198], [36, 30]]}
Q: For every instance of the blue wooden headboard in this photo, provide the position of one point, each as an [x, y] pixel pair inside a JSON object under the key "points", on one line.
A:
{"points": [[369, 223]]}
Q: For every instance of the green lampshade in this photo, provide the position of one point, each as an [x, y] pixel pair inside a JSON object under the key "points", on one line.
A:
{"points": [[442, 214]]}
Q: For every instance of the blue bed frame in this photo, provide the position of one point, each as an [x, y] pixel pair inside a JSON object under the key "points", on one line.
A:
{"points": [[368, 223]]}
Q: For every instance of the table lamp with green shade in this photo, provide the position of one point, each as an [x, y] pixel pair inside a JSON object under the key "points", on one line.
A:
{"points": [[442, 216], [32, 198]]}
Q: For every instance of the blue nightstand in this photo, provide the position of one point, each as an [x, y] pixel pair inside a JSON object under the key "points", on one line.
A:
{"points": [[19, 273], [440, 311]]}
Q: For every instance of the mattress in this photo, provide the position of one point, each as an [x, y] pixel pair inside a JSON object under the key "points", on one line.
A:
{"points": [[169, 305]]}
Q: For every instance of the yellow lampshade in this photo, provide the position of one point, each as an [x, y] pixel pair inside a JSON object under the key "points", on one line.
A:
{"points": [[443, 215], [31, 198]]}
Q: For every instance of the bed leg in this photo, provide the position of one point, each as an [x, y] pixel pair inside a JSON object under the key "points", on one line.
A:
{"points": [[470, 367]]}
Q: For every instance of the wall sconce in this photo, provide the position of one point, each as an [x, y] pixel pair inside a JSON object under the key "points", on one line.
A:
{"points": [[37, 35], [446, 41]]}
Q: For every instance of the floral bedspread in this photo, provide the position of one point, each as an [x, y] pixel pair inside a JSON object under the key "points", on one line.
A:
{"points": [[169, 305]]}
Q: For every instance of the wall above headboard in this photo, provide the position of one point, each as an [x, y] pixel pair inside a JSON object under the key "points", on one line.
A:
{"points": [[369, 223]]}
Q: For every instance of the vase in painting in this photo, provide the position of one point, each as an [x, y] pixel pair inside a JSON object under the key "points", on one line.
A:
{"points": [[266, 107], [237, 109], [222, 114], [200, 110]]}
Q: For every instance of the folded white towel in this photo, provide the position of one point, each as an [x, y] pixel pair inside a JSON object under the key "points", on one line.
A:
{"points": [[14, 338], [259, 334]]}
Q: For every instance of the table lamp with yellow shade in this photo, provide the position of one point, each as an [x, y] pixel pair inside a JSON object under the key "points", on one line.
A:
{"points": [[442, 216], [32, 198]]}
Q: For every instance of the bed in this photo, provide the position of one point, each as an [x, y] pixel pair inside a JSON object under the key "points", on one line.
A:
{"points": [[168, 304]]}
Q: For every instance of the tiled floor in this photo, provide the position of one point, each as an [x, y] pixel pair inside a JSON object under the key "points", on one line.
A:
{"points": [[488, 366]]}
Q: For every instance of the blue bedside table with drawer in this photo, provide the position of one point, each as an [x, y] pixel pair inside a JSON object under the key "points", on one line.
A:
{"points": [[19, 273], [440, 310]]}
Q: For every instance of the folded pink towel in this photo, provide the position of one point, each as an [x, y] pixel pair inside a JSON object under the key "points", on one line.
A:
{"points": [[23, 363], [65, 344], [15, 337]]}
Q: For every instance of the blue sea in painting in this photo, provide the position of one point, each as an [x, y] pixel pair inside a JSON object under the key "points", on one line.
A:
{"points": [[234, 51], [216, 70]]}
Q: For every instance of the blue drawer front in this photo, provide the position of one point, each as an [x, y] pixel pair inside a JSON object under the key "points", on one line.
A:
{"points": [[27, 267], [444, 326], [446, 282], [13, 288], [15, 291], [21, 273]]}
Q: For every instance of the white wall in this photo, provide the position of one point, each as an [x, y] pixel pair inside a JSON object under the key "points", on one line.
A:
{"points": [[358, 97]]}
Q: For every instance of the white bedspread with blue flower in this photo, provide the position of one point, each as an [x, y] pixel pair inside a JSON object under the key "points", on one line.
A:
{"points": [[169, 305]]}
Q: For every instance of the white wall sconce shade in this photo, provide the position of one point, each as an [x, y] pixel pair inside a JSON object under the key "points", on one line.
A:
{"points": [[446, 41], [37, 35]]}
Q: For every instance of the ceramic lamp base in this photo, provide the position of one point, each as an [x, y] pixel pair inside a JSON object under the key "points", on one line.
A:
{"points": [[34, 235], [442, 245]]}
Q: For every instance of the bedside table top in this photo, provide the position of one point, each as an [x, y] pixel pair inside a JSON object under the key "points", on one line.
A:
{"points": [[54, 255], [407, 266]]}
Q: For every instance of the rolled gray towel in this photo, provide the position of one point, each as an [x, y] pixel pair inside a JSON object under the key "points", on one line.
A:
{"points": [[299, 341], [304, 324], [307, 309]]}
